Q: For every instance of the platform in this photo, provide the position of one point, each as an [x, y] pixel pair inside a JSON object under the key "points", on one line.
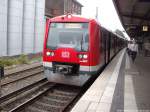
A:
{"points": [[122, 87]]}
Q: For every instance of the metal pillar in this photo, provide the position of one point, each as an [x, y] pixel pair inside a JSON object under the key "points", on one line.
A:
{"points": [[22, 42], [34, 39]]}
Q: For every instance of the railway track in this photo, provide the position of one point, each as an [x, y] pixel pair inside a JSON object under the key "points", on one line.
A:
{"points": [[11, 72], [40, 96], [21, 75], [16, 97], [47, 98]]}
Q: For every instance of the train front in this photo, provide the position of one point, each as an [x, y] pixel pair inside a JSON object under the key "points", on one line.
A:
{"points": [[66, 51]]}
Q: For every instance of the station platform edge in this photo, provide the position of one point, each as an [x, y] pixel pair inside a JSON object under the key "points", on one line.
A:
{"points": [[121, 87]]}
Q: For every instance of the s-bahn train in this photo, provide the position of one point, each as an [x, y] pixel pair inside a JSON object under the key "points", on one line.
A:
{"points": [[76, 48]]}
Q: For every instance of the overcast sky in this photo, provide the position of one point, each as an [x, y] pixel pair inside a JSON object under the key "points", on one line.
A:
{"points": [[107, 15]]}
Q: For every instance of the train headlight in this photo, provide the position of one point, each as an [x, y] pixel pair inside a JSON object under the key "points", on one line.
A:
{"points": [[52, 53], [48, 53], [80, 56], [85, 56]]}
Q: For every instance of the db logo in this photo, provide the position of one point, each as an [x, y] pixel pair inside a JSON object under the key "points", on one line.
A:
{"points": [[65, 54]]}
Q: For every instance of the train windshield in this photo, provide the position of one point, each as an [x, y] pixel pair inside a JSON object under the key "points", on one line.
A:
{"points": [[73, 35]]}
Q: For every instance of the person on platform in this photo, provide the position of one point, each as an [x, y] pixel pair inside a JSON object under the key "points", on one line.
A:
{"points": [[128, 48], [134, 50]]}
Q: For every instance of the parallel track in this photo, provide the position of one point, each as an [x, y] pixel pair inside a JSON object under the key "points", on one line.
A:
{"points": [[22, 71], [51, 98], [10, 100], [17, 92], [15, 77]]}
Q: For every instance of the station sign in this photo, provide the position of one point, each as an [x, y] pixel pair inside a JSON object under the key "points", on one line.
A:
{"points": [[145, 28]]}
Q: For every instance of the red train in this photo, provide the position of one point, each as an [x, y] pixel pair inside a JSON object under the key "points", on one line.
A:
{"points": [[75, 48]]}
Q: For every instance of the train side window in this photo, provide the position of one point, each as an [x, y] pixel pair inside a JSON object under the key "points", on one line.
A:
{"points": [[103, 40], [103, 45]]}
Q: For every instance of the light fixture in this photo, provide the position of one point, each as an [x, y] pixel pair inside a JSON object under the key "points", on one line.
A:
{"points": [[85, 56], [50, 53]]}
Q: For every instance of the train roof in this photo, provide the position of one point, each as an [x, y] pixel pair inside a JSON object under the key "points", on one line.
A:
{"points": [[78, 18], [70, 18]]}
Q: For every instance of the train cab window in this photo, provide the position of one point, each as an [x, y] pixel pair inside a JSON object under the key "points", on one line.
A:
{"points": [[85, 42], [73, 35]]}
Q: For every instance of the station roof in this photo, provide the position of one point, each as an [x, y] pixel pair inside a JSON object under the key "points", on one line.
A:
{"points": [[134, 16]]}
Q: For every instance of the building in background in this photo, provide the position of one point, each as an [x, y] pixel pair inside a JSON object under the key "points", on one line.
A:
{"points": [[22, 25], [59, 7]]}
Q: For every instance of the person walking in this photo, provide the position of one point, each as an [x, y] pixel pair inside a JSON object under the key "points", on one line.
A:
{"points": [[128, 48], [134, 50]]}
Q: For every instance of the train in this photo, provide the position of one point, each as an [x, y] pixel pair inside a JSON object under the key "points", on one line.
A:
{"points": [[76, 48]]}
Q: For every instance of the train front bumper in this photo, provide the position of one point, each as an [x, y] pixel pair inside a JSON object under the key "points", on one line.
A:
{"points": [[69, 79]]}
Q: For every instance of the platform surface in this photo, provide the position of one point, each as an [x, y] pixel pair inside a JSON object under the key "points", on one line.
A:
{"points": [[122, 87]]}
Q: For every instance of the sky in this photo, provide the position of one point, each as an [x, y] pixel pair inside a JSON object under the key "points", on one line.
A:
{"points": [[107, 15]]}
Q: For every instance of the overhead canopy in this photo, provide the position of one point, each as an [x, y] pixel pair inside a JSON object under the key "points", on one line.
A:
{"points": [[134, 16]]}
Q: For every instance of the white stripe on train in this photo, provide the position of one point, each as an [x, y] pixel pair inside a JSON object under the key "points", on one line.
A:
{"points": [[82, 68]]}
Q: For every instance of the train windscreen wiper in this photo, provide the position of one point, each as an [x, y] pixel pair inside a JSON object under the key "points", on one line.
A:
{"points": [[82, 43]]}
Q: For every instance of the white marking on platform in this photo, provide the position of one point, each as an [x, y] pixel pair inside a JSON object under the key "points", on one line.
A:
{"points": [[128, 64], [129, 95]]}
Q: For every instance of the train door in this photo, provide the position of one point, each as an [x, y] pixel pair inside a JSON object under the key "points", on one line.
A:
{"points": [[103, 46], [108, 46], [114, 45], [111, 46], [106, 36]]}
